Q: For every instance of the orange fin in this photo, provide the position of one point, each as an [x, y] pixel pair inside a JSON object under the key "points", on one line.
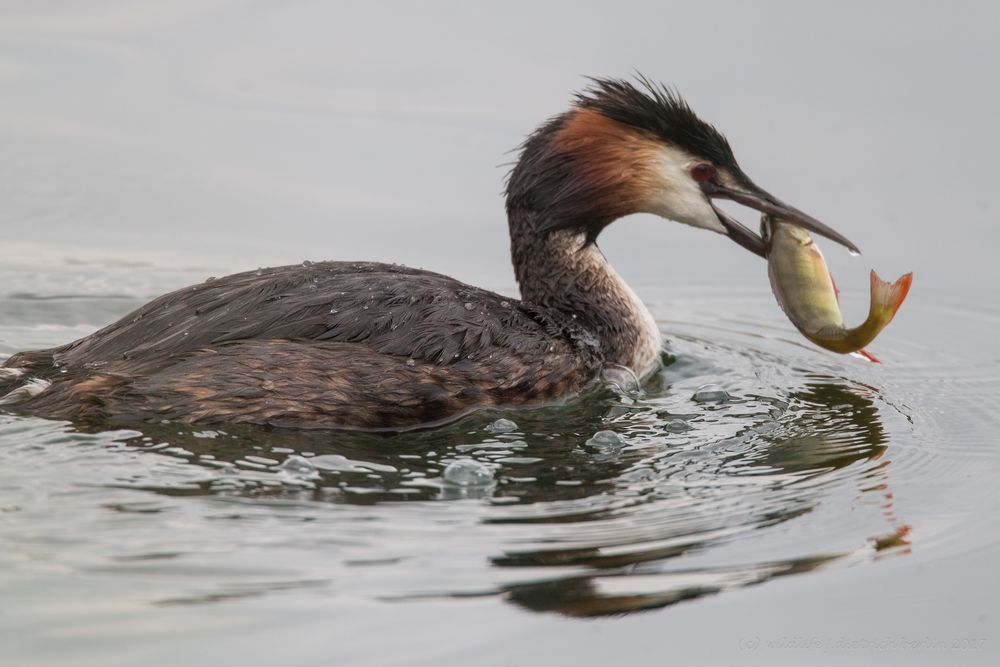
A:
{"points": [[869, 356], [889, 296]]}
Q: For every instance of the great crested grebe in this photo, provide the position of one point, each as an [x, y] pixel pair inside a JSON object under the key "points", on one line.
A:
{"points": [[379, 346]]}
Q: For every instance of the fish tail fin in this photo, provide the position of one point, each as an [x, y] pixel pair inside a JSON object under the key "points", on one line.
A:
{"points": [[889, 297], [886, 300]]}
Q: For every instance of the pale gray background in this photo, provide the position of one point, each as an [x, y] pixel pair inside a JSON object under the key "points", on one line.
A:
{"points": [[238, 134]]}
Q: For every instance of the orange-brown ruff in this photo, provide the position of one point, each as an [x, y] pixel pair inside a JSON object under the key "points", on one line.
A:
{"points": [[378, 346]]}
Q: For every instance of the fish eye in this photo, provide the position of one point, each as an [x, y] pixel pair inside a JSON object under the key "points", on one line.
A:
{"points": [[702, 171]]}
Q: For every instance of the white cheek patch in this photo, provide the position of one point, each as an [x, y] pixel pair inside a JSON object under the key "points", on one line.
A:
{"points": [[676, 196]]}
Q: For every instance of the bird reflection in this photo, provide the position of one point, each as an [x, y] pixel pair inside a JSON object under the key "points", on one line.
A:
{"points": [[609, 544], [834, 426]]}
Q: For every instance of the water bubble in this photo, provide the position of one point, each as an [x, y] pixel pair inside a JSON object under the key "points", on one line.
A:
{"points": [[298, 466], [622, 380], [469, 306], [502, 426], [466, 472], [676, 426], [710, 393], [606, 440], [411, 362]]}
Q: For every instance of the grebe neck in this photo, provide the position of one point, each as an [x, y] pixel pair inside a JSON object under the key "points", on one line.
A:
{"points": [[563, 271]]}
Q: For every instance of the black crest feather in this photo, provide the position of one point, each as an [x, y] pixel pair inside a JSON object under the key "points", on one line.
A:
{"points": [[662, 112], [545, 184]]}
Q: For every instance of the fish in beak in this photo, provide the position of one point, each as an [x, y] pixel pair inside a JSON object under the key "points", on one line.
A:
{"points": [[752, 196]]}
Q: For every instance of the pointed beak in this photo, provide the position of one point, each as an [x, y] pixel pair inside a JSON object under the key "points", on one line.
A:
{"points": [[757, 199]]}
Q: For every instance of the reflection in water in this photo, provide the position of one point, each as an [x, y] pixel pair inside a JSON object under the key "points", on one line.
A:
{"points": [[622, 592], [776, 474], [602, 505], [737, 463]]}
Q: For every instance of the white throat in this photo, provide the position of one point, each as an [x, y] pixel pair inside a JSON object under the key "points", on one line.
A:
{"points": [[643, 351]]}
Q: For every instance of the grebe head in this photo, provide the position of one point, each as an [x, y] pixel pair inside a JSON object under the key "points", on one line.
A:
{"points": [[625, 148]]}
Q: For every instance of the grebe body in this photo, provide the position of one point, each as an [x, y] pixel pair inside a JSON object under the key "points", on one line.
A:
{"points": [[378, 346]]}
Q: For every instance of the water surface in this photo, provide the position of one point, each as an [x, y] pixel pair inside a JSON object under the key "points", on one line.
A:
{"points": [[756, 500]]}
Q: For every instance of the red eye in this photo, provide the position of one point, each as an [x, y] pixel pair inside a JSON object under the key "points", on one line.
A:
{"points": [[702, 171]]}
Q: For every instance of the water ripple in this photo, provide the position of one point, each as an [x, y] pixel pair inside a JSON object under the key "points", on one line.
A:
{"points": [[743, 460]]}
